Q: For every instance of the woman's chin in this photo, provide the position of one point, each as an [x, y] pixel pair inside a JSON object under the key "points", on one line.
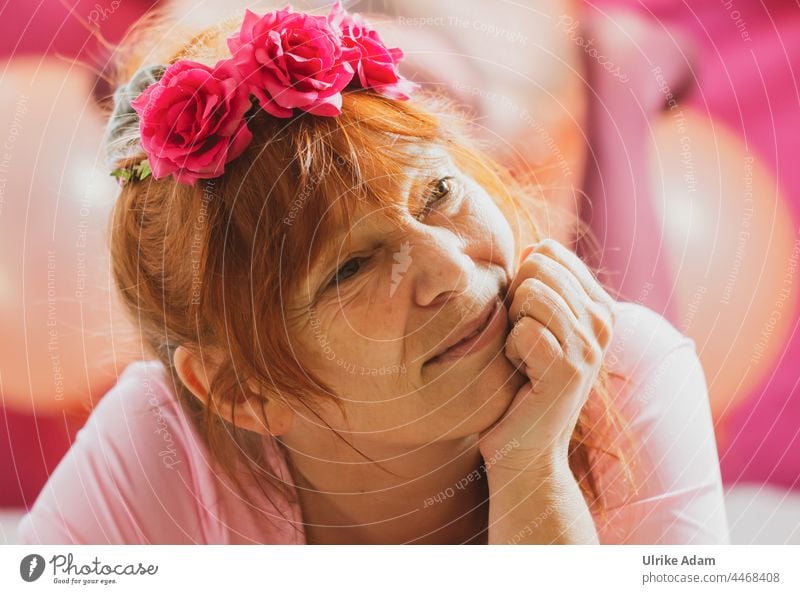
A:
{"points": [[486, 399]]}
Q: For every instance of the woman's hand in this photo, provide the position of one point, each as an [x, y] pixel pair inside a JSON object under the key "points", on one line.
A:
{"points": [[562, 324]]}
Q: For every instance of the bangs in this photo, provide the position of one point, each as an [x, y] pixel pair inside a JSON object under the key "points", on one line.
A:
{"points": [[359, 160]]}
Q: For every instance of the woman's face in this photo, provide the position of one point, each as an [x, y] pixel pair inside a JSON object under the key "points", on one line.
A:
{"points": [[375, 314]]}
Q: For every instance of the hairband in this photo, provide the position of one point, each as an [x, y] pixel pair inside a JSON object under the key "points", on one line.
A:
{"points": [[192, 118]]}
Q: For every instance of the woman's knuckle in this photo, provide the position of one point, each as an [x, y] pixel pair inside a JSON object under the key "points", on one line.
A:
{"points": [[605, 336], [550, 245], [583, 347], [523, 336], [539, 259], [593, 355], [530, 286], [572, 366], [603, 321]]}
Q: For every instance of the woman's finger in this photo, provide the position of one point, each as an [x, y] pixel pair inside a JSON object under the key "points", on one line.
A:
{"points": [[532, 348], [556, 276], [572, 262], [598, 316], [535, 299]]}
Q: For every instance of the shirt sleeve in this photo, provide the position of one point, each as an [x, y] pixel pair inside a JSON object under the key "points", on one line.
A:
{"points": [[124, 480], [679, 497]]}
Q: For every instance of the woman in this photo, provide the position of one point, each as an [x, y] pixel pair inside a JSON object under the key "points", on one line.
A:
{"points": [[349, 344]]}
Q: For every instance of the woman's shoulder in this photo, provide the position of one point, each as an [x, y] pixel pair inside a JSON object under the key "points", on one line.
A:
{"points": [[232, 517], [138, 472], [641, 338], [142, 415], [141, 386], [666, 435], [654, 369], [131, 475]]}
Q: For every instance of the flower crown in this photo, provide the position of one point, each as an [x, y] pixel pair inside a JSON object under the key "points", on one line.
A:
{"points": [[193, 120]]}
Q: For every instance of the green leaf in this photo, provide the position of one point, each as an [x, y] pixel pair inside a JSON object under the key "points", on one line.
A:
{"points": [[144, 169], [138, 171], [123, 175]]}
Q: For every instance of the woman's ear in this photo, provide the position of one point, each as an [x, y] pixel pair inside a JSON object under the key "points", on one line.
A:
{"points": [[193, 373], [249, 414]]}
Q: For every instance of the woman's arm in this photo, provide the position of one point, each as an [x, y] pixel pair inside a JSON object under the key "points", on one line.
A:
{"points": [[538, 508], [677, 495], [125, 480], [562, 324]]}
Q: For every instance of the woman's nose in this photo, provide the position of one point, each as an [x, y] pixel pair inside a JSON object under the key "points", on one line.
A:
{"points": [[440, 269]]}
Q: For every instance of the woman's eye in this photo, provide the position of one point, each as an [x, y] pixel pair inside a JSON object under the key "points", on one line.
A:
{"points": [[349, 268], [437, 191]]}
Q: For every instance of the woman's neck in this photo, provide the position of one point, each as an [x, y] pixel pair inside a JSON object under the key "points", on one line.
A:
{"points": [[437, 495]]}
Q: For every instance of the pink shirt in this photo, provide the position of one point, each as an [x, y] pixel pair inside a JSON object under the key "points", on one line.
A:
{"points": [[138, 474]]}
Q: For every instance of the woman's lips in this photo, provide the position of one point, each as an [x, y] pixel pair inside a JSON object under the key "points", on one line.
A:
{"points": [[481, 337]]}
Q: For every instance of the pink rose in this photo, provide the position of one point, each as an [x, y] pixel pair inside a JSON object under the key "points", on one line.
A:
{"points": [[192, 122], [375, 64], [291, 60]]}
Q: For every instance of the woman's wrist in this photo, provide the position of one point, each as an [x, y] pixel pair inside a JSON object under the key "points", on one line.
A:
{"points": [[538, 505], [514, 460]]}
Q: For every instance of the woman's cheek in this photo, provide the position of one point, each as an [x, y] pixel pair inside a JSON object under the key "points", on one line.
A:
{"points": [[368, 320]]}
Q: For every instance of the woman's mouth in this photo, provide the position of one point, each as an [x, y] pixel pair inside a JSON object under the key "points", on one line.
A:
{"points": [[493, 323]]}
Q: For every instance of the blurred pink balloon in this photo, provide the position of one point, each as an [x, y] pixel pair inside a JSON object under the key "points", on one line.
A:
{"points": [[730, 237], [64, 336]]}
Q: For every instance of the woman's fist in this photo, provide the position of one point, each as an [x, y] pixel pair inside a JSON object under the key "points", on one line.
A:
{"points": [[562, 325]]}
